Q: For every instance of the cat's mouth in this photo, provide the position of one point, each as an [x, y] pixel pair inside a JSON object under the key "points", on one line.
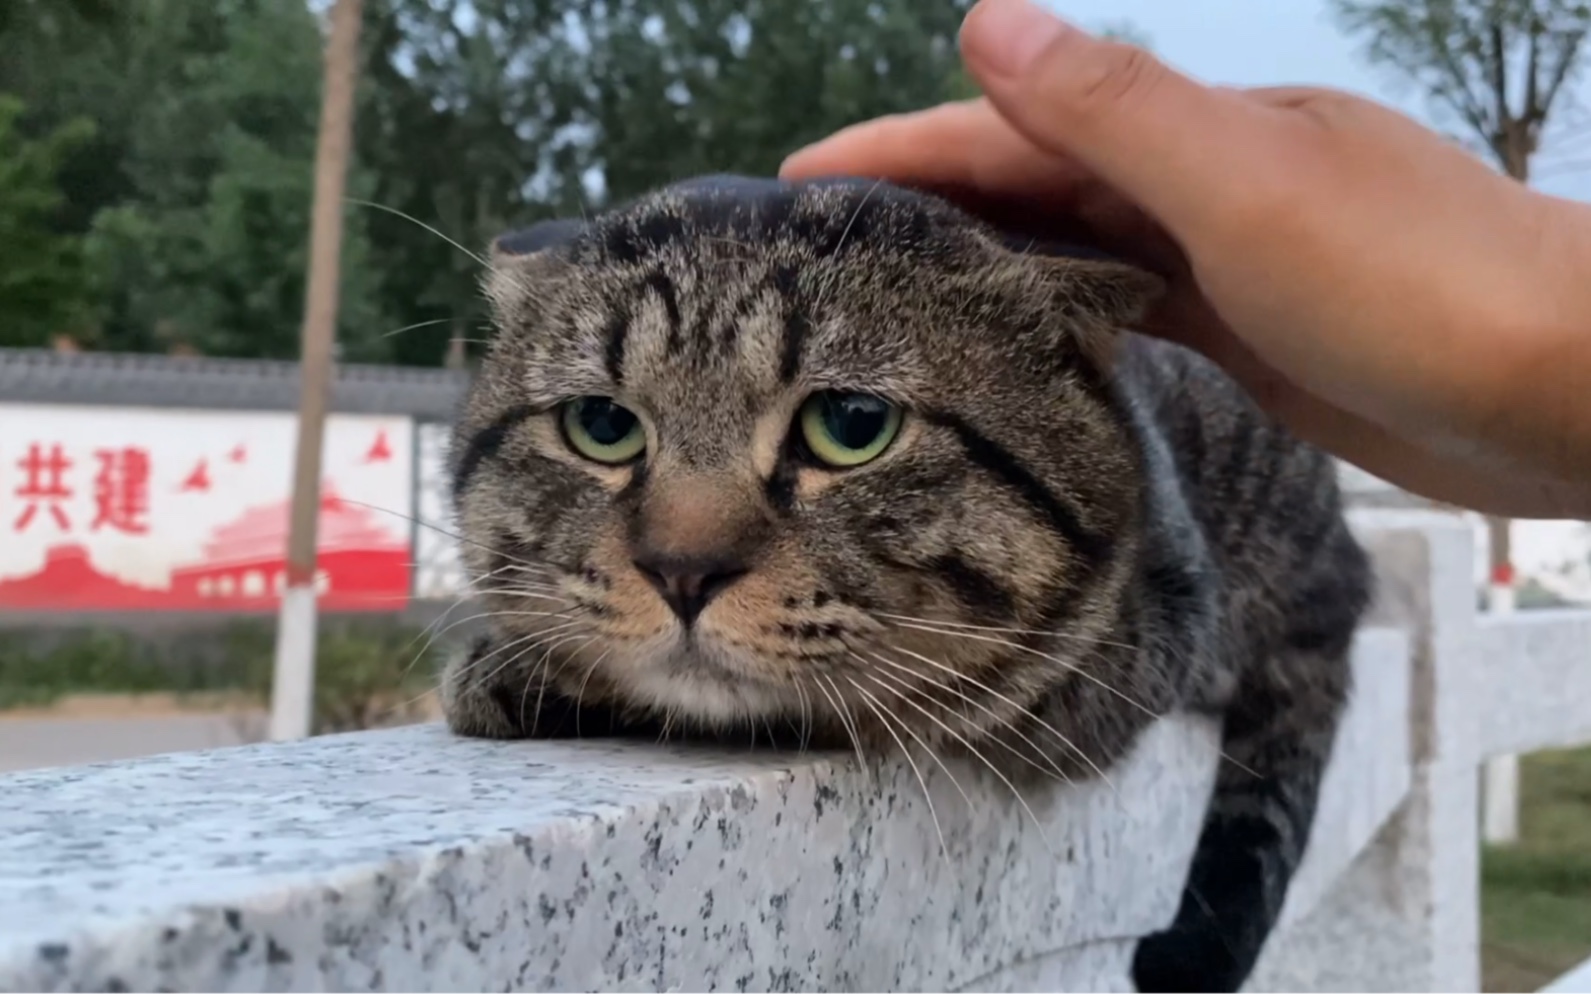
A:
{"points": [[714, 682]]}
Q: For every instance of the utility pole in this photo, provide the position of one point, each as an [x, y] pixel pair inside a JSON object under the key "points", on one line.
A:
{"points": [[293, 680]]}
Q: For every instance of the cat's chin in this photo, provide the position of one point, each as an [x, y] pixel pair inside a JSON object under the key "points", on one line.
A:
{"points": [[708, 683]]}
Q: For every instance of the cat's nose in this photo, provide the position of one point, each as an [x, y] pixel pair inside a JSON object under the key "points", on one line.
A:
{"points": [[688, 583]]}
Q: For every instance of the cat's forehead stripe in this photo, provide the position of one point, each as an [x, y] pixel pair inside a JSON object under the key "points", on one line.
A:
{"points": [[658, 283], [795, 323], [1094, 548], [615, 331]]}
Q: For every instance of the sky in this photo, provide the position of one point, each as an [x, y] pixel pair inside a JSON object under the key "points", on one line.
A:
{"points": [[1270, 42]]}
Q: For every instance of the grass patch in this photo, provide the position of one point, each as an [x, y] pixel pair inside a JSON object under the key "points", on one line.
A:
{"points": [[366, 672], [38, 669], [1536, 895]]}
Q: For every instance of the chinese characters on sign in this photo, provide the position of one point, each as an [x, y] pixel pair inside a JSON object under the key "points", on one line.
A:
{"points": [[121, 489], [144, 508]]}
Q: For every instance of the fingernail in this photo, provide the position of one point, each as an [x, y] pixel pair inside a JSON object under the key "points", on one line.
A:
{"points": [[1007, 35]]}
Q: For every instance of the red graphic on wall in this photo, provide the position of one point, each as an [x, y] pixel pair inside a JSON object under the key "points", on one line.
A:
{"points": [[69, 582], [121, 490], [362, 565], [199, 479], [44, 486], [380, 450], [143, 508]]}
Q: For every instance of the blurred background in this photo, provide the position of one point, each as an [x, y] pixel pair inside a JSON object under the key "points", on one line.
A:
{"points": [[157, 165]]}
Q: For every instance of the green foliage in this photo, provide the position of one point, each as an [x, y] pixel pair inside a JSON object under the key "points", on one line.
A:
{"points": [[42, 282], [1500, 66], [1536, 894], [35, 671], [369, 676], [1532, 594], [210, 247], [190, 201], [367, 673], [532, 108]]}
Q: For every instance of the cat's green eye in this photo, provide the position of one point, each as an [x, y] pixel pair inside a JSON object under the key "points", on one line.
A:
{"points": [[602, 431], [848, 429]]}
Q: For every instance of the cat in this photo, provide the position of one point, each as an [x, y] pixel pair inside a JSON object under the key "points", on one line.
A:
{"points": [[747, 453]]}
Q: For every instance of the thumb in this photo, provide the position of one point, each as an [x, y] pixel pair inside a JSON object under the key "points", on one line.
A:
{"points": [[1164, 141]]}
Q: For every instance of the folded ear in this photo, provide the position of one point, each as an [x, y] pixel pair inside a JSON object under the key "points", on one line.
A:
{"points": [[1094, 295], [537, 238], [1117, 293], [520, 261]]}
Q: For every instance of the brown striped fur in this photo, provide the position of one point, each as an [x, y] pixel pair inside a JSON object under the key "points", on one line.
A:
{"points": [[1126, 531]]}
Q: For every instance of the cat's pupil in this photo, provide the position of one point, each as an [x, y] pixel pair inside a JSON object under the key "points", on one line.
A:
{"points": [[606, 422], [854, 420]]}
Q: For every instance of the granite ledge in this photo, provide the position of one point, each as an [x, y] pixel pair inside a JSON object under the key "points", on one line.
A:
{"points": [[1535, 667], [414, 860]]}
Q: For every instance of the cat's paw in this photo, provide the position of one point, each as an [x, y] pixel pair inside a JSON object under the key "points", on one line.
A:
{"points": [[1187, 960], [474, 706], [480, 702]]}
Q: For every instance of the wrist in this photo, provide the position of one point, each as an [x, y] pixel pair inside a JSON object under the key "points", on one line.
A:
{"points": [[1541, 404]]}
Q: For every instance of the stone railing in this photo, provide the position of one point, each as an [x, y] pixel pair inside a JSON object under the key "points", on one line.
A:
{"points": [[412, 860]]}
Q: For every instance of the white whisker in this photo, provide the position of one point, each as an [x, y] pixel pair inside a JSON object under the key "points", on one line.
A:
{"points": [[1054, 769], [416, 221], [1069, 636], [544, 633], [416, 326], [806, 716], [877, 709], [837, 702], [439, 530], [581, 692], [1080, 671], [1038, 825], [545, 674], [1001, 697]]}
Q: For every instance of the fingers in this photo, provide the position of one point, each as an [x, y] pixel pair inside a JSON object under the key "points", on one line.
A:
{"points": [[1162, 140], [980, 162], [960, 145]]}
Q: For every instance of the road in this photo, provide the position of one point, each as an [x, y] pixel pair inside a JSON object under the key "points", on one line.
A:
{"points": [[32, 743]]}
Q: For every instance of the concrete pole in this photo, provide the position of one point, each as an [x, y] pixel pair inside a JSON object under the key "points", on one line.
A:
{"points": [[1500, 789], [293, 680]]}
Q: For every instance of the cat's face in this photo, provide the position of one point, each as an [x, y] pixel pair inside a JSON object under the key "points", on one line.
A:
{"points": [[764, 451]]}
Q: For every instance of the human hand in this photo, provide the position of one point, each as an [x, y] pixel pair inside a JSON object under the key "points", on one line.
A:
{"points": [[1374, 287]]}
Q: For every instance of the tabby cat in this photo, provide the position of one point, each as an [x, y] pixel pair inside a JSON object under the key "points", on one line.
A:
{"points": [[746, 453]]}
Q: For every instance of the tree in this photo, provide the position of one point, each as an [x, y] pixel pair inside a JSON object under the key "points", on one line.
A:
{"points": [[474, 116], [480, 115], [208, 246], [192, 193], [460, 130], [1503, 68], [43, 290]]}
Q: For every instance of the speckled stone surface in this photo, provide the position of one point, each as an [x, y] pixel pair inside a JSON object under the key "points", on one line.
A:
{"points": [[413, 860], [1536, 671]]}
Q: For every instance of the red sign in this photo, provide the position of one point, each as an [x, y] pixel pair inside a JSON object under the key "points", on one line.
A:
{"points": [[146, 509]]}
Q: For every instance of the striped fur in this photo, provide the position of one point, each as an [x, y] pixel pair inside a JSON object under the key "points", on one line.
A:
{"points": [[1077, 529]]}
